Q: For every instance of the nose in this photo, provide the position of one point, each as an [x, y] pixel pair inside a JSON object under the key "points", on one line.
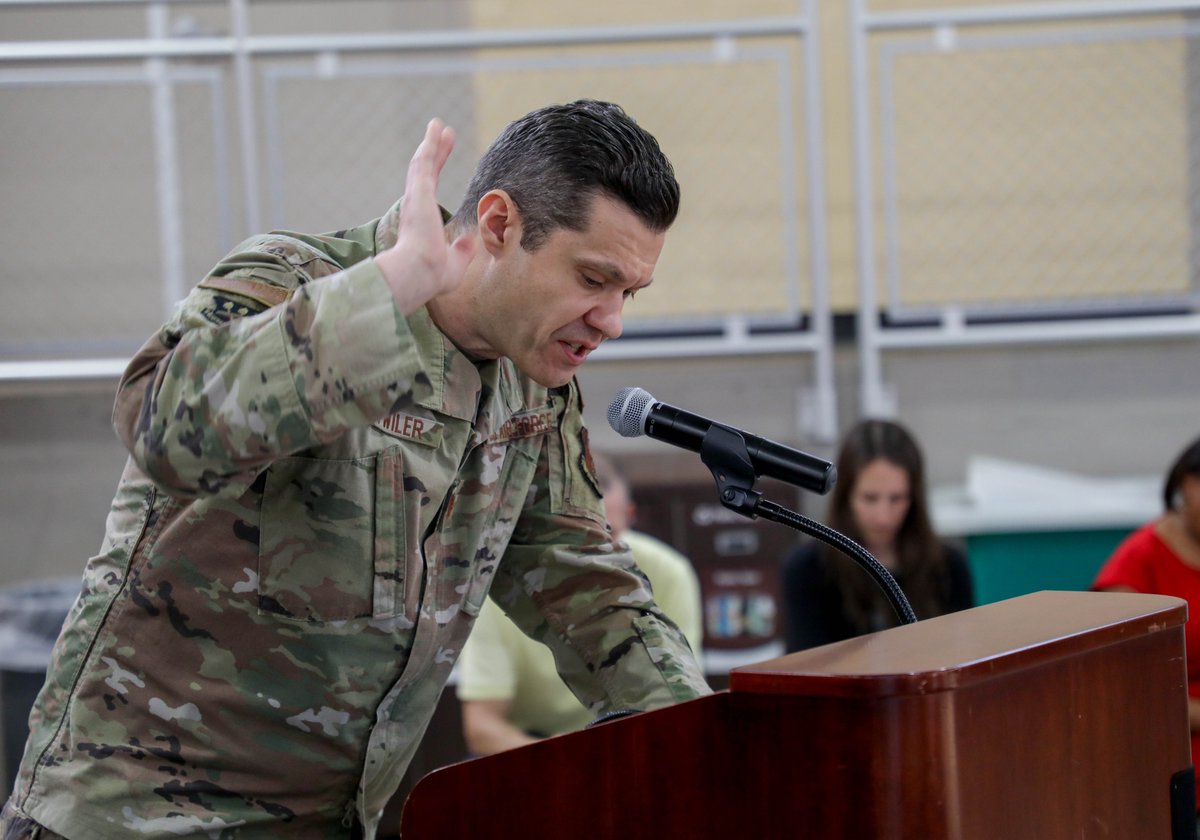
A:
{"points": [[880, 515], [606, 317], [874, 517]]}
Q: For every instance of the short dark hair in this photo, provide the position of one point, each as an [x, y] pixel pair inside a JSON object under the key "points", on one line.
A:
{"points": [[1187, 463], [552, 161]]}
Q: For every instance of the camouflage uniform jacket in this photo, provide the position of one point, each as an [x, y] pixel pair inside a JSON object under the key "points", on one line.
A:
{"points": [[320, 493]]}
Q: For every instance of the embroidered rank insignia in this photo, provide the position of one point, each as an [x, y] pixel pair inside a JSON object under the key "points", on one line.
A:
{"points": [[586, 462]]}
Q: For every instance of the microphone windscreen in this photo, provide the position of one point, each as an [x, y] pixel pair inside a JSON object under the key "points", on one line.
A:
{"points": [[627, 412]]}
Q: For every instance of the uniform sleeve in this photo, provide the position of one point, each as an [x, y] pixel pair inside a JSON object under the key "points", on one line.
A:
{"points": [[268, 356], [675, 585], [486, 669], [566, 583]]}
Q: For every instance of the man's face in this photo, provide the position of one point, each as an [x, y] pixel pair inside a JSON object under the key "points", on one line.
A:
{"points": [[549, 308]]}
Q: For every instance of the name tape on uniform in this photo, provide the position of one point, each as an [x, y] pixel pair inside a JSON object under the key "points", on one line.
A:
{"points": [[420, 429]]}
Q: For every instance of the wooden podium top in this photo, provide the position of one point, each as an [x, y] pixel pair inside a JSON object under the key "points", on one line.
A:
{"points": [[1055, 714], [952, 651]]}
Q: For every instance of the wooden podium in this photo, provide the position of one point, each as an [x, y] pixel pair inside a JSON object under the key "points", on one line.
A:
{"points": [[1052, 715]]}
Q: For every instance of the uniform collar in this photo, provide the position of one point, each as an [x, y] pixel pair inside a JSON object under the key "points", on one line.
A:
{"points": [[388, 225], [486, 392]]}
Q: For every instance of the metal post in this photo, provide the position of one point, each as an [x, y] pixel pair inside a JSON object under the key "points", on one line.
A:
{"points": [[825, 393], [239, 17], [166, 161], [871, 400]]}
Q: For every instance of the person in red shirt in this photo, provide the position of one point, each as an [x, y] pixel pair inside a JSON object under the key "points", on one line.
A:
{"points": [[1163, 558]]}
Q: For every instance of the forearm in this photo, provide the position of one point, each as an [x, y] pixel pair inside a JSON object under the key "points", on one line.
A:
{"points": [[486, 728], [614, 648]]}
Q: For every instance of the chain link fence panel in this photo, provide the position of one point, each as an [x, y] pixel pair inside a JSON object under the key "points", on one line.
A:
{"points": [[127, 179], [1038, 169]]}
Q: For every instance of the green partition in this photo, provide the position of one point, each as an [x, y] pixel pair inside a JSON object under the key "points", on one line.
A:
{"points": [[1005, 565]]}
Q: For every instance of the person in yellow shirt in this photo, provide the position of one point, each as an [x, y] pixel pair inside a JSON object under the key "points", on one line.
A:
{"points": [[509, 687]]}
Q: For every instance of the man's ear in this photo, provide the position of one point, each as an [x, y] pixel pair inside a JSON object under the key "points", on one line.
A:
{"points": [[499, 221]]}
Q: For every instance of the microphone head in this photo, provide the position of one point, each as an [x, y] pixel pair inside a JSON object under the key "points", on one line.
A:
{"points": [[628, 411]]}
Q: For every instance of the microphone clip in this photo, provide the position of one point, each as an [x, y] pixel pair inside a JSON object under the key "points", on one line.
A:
{"points": [[724, 452]]}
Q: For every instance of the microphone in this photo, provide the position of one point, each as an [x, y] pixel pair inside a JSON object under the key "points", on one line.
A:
{"points": [[634, 412]]}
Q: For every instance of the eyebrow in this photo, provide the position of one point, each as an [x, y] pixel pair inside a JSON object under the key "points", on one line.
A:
{"points": [[611, 270]]}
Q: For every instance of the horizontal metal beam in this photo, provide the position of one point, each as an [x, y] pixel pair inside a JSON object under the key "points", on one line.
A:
{"points": [[62, 370], [700, 346], [1107, 329], [1022, 13], [419, 41], [11, 3], [623, 349]]}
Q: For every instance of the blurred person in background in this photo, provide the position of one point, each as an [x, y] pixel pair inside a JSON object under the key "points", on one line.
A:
{"points": [[880, 502], [1163, 558], [338, 445], [509, 686]]}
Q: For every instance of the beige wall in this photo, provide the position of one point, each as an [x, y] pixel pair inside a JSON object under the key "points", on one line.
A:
{"points": [[1025, 174], [980, 220], [701, 113]]}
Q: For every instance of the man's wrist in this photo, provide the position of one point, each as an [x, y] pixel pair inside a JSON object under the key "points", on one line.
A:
{"points": [[407, 290]]}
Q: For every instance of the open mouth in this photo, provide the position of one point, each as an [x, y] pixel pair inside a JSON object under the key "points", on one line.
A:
{"points": [[576, 352]]}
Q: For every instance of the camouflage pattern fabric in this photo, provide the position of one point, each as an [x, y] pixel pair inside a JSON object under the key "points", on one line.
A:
{"points": [[320, 494], [14, 827]]}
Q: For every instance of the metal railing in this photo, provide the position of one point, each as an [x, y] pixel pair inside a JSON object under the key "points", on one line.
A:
{"points": [[249, 72]]}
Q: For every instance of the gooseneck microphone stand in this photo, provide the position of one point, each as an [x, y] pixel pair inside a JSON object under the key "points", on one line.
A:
{"points": [[724, 452]]}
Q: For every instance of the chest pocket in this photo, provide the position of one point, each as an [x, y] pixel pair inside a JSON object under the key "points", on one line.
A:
{"points": [[334, 538]]}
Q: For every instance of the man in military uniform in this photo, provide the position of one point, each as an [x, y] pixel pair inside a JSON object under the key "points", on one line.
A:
{"points": [[338, 446]]}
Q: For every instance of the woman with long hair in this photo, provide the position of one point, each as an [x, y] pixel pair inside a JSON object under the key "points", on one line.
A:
{"points": [[880, 502]]}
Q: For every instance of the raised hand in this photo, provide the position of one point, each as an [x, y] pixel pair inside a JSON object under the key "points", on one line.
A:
{"points": [[422, 264]]}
